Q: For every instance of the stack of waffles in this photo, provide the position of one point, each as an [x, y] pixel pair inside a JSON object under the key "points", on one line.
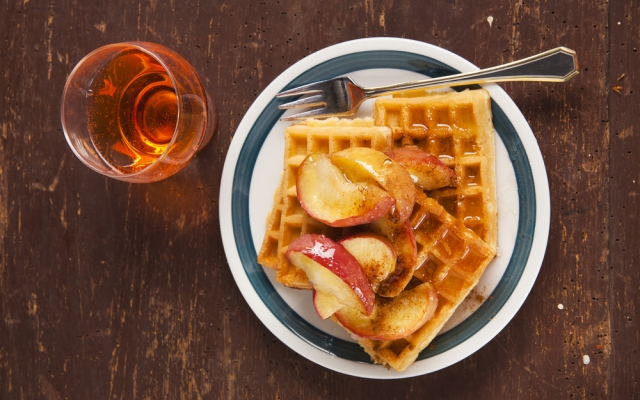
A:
{"points": [[455, 227]]}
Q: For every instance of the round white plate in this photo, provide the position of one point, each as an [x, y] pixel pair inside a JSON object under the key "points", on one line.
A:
{"points": [[252, 172]]}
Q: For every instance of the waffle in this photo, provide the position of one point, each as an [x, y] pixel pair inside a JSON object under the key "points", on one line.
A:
{"points": [[287, 220], [456, 127], [451, 257], [455, 229], [268, 255]]}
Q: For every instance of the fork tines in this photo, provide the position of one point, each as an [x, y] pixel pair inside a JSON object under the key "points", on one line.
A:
{"points": [[330, 97], [316, 100], [309, 88]]}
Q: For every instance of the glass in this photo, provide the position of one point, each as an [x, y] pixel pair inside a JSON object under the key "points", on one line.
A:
{"points": [[136, 112]]}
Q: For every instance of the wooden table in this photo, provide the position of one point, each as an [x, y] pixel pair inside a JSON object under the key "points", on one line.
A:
{"points": [[116, 290]]}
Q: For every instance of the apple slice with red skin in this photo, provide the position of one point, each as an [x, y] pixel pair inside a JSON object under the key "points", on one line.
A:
{"points": [[426, 170], [331, 269], [392, 318], [404, 243], [325, 304], [375, 253], [327, 196], [362, 164]]}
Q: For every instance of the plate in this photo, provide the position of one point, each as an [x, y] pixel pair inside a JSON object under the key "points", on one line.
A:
{"points": [[252, 172]]}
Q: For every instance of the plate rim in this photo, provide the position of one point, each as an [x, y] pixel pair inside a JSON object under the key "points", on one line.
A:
{"points": [[532, 266]]}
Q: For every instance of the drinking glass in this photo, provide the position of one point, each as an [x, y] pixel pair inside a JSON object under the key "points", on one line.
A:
{"points": [[136, 111]]}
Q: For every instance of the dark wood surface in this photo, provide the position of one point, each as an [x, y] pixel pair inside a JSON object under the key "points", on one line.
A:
{"points": [[116, 290]]}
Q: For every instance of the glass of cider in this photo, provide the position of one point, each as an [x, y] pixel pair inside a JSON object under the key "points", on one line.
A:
{"points": [[136, 111]]}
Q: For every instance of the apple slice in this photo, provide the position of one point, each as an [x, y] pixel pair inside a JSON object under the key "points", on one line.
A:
{"points": [[375, 254], [325, 304], [394, 318], [404, 243], [362, 164], [329, 197], [331, 269], [426, 170]]}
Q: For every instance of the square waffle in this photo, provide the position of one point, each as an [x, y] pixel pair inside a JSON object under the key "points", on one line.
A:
{"points": [[287, 220], [457, 128], [451, 257]]}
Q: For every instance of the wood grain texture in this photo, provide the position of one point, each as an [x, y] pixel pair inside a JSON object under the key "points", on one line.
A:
{"points": [[111, 290], [624, 207]]}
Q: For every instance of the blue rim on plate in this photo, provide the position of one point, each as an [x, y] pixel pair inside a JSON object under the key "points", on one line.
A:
{"points": [[241, 223]]}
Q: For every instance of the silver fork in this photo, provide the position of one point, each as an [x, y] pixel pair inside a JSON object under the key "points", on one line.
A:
{"points": [[342, 96]]}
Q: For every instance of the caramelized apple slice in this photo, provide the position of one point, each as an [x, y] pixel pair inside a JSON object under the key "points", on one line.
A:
{"points": [[332, 270], [393, 318], [375, 253], [426, 170], [362, 164], [325, 193], [325, 304]]}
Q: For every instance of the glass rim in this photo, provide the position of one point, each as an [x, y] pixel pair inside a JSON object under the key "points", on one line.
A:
{"points": [[139, 45]]}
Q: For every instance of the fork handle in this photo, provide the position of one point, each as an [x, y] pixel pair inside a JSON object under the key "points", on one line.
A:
{"points": [[556, 65]]}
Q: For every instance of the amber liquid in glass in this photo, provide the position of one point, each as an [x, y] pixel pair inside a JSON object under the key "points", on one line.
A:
{"points": [[132, 111]]}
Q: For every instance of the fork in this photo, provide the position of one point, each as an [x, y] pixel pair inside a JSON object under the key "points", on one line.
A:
{"points": [[342, 96]]}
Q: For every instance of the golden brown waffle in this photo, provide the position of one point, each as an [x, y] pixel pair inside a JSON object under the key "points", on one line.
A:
{"points": [[287, 220], [451, 257], [268, 256], [456, 127]]}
